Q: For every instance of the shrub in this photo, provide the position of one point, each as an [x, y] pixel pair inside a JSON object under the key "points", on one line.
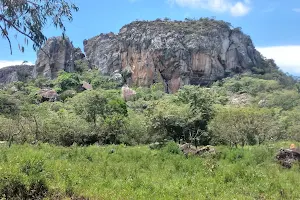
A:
{"points": [[172, 148], [240, 126], [12, 188]]}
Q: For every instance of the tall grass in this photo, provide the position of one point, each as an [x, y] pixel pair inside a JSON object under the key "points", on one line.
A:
{"points": [[120, 172]]}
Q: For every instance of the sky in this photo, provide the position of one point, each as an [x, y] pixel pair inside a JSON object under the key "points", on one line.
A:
{"points": [[272, 24]]}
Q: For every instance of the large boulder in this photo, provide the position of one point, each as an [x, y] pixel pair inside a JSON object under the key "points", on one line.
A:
{"points": [[57, 54], [286, 157], [189, 149], [174, 52], [48, 94], [127, 93]]}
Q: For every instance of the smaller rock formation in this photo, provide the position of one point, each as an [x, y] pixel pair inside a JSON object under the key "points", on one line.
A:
{"points": [[286, 157], [189, 149], [48, 95], [127, 93], [117, 77], [57, 54], [86, 86], [16, 73], [240, 99]]}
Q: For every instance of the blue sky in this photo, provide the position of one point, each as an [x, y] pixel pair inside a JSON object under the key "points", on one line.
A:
{"points": [[272, 24]]}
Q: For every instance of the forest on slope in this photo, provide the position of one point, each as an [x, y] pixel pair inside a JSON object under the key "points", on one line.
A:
{"points": [[245, 109]]}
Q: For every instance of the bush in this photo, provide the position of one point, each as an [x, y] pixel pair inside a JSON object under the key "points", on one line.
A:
{"points": [[12, 188], [250, 85], [67, 94], [240, 126], [172, 148], [136, 129]]}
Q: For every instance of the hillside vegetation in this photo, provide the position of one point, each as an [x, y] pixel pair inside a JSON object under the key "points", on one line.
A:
{"points": [[57, 149], [242, 110]]}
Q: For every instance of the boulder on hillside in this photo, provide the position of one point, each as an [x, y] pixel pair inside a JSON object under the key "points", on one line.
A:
{"points": [[86, 86], [48, 94], [189, 149], [286, 157], [127, 93]]}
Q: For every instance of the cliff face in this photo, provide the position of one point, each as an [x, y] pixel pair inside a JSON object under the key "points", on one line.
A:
{"points": [[177, 53], [57, 54], [16, 73]]}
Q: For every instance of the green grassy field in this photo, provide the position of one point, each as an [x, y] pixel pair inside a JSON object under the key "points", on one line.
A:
{"points": [[140, 173]]}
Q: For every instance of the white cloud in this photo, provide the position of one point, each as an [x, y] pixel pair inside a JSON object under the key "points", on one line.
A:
{"points": [[296, 9], [236, 8], [286, 57], [239, 9], [6, 63]]}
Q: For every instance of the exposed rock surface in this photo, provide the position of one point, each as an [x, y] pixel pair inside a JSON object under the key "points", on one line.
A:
{"points": [[86, 86], [48, 94], [127, 93], [240, 99], [57, 54], [287, 157], [16, 73], [189, 149], [177, 53]]}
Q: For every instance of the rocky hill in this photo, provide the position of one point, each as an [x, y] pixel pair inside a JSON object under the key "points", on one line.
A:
{"points": [[194, 52], [16, 73], [57, 54], [177, 53]]}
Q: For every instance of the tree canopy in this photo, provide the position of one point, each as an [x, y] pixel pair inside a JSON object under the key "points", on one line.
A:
{"points": [[29, 17]]}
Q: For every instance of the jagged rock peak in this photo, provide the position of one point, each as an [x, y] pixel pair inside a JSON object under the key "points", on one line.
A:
{"points": [[57, 54], [194, 52]]}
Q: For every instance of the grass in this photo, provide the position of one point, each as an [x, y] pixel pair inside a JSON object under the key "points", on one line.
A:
{"points": [[120, 172]]}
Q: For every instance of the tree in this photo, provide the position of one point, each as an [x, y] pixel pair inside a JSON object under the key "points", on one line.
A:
{"points": [[200, 101], [242, 125], [66, 81], [105, 110], [9, 106], [168, 119], [90, 105], [29, 17]]}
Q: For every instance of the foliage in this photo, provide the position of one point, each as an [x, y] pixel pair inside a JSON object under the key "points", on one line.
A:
{"points": [[172, 147], [29, 18], [291, 121], [140, 173], [101, 116], [250, 85], [244, 125], [9, 106], [81, 66], [285, 99], [168, 119], [200, 101], [136, 129], [67, 81]]}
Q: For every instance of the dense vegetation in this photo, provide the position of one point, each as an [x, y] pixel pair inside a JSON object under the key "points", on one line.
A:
{"points": [[242, 110], [52, 148], [120, 172]]}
